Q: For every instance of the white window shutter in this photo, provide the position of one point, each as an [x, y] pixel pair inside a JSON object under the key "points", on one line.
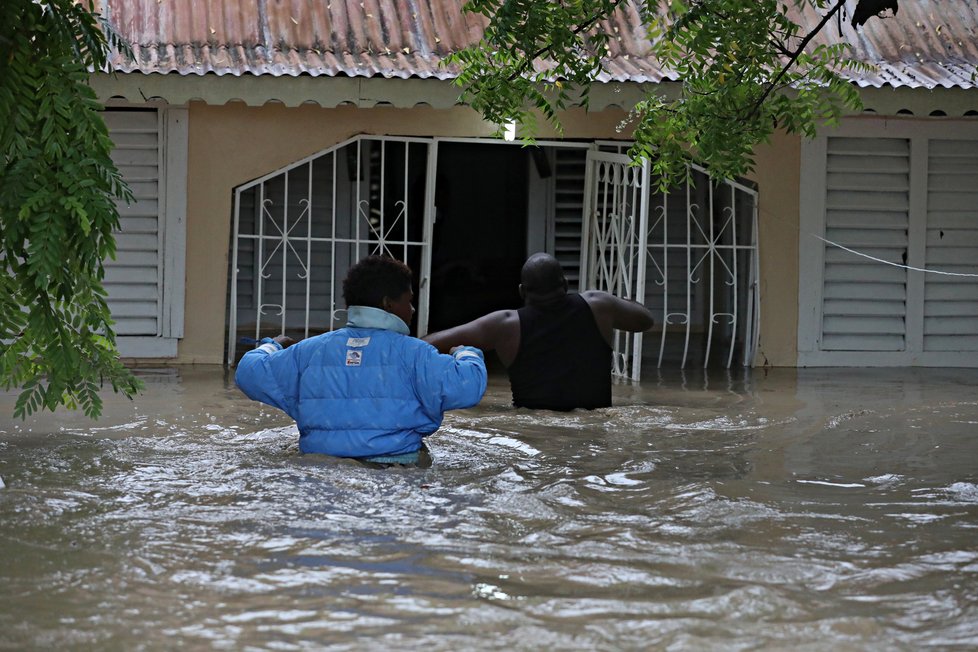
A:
{"points": [[904, 192], [145, 281], [951, 302], [134, 279], [867, 210]]}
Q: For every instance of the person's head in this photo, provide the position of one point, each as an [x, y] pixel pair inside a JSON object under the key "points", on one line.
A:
{"points": [[542, 279], [380, 282]]}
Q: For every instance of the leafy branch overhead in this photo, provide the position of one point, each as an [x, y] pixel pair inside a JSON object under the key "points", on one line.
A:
{"points": [[58, 186], [737, 70]]}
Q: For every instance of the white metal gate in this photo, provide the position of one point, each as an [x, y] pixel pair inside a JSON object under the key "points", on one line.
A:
{"points": [[702, 246], [614, 242], [299, 229], [689, 255]]}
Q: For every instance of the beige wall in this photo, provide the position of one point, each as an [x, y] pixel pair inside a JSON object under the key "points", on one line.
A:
{"points": [[232, 144], [777, 174]]}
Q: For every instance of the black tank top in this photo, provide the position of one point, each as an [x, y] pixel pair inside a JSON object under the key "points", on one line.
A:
{"points": [[563, 361]]}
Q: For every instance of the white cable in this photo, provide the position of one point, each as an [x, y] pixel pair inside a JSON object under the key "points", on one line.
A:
{"points": [[886, 262]]}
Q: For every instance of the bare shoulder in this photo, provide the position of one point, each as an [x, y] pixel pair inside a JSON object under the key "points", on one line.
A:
{"points": [[502, 323], [623, 314], [602, 301], [507, 316], [493, 321], [599, 298]]}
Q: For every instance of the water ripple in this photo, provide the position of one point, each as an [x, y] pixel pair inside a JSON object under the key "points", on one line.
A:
{"points": [[724, 518]]}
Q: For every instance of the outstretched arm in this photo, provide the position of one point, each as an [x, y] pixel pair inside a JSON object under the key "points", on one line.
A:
{"points": [[270, 374], [450, 382], [612, 312], [631, 316], [483, 333]]}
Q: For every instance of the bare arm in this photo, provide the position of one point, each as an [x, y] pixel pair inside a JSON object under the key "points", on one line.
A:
{"points": [[611, 312], [496, 331]]}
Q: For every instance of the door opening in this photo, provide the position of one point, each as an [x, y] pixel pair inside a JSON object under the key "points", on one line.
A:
{"points": [[480, 231]]}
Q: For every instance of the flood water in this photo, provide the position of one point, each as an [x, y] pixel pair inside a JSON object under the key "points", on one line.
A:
{"points": [[803, 510]]}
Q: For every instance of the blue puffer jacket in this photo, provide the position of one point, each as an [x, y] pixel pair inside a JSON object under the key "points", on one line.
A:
{"points": [[359, 392]]}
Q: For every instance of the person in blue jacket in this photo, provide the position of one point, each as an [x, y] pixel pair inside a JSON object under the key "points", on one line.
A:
{"points": [[369, 390]]}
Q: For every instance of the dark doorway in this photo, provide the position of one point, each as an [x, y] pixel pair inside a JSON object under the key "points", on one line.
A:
{"points": [[480, 231]]}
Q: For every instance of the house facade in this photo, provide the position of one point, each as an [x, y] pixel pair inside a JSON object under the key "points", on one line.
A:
{"points": [[269, 147]]}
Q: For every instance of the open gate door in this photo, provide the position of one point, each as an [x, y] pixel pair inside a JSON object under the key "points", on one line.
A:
{"points": [[299, 229], [613, 248]]}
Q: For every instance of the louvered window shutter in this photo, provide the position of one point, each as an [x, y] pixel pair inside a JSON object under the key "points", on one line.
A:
{"points": [[951, 302], [867, 210], [569, 165], [902, 195], [133, 280]]}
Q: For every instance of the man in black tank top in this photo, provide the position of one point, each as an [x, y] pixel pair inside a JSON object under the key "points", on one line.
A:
{"points": [[557, 348]]}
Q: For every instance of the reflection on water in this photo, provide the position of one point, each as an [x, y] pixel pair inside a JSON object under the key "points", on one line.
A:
{"points": [[812, 509]]}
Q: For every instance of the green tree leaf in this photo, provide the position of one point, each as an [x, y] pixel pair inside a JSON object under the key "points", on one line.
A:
{"points": [[58, 188], [743, 68]]}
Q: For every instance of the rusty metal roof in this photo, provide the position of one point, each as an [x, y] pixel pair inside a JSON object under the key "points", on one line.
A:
{"points": [[930, 43]]}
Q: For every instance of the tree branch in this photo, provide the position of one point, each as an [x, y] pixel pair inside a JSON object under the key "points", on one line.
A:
{"points": [[778, 45], [528, 61], [794, 57]]}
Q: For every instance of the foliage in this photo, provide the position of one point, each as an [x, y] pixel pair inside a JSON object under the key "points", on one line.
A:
{"points": [[743, 68], [502, 74], [57, 185]]}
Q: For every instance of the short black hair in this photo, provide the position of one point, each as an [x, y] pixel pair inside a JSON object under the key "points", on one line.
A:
{"points": [[542, 274], [376, 277]]}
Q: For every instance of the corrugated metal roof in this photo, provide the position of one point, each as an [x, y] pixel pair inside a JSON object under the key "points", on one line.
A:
{"points": [[931, 42]]}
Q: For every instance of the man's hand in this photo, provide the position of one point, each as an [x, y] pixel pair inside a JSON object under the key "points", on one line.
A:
{"points": [[284, 340]]}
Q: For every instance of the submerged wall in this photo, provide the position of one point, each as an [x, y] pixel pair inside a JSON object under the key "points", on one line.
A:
{"points": [[777, 174]]}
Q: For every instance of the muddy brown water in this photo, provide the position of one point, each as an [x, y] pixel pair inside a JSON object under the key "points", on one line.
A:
{"points": [[803, 510]]}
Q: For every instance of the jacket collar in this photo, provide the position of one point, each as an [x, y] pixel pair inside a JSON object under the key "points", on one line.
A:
{"points": [[369, 317]]}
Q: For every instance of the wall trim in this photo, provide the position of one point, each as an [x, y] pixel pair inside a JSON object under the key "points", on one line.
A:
{"points": [[327, 92]]}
